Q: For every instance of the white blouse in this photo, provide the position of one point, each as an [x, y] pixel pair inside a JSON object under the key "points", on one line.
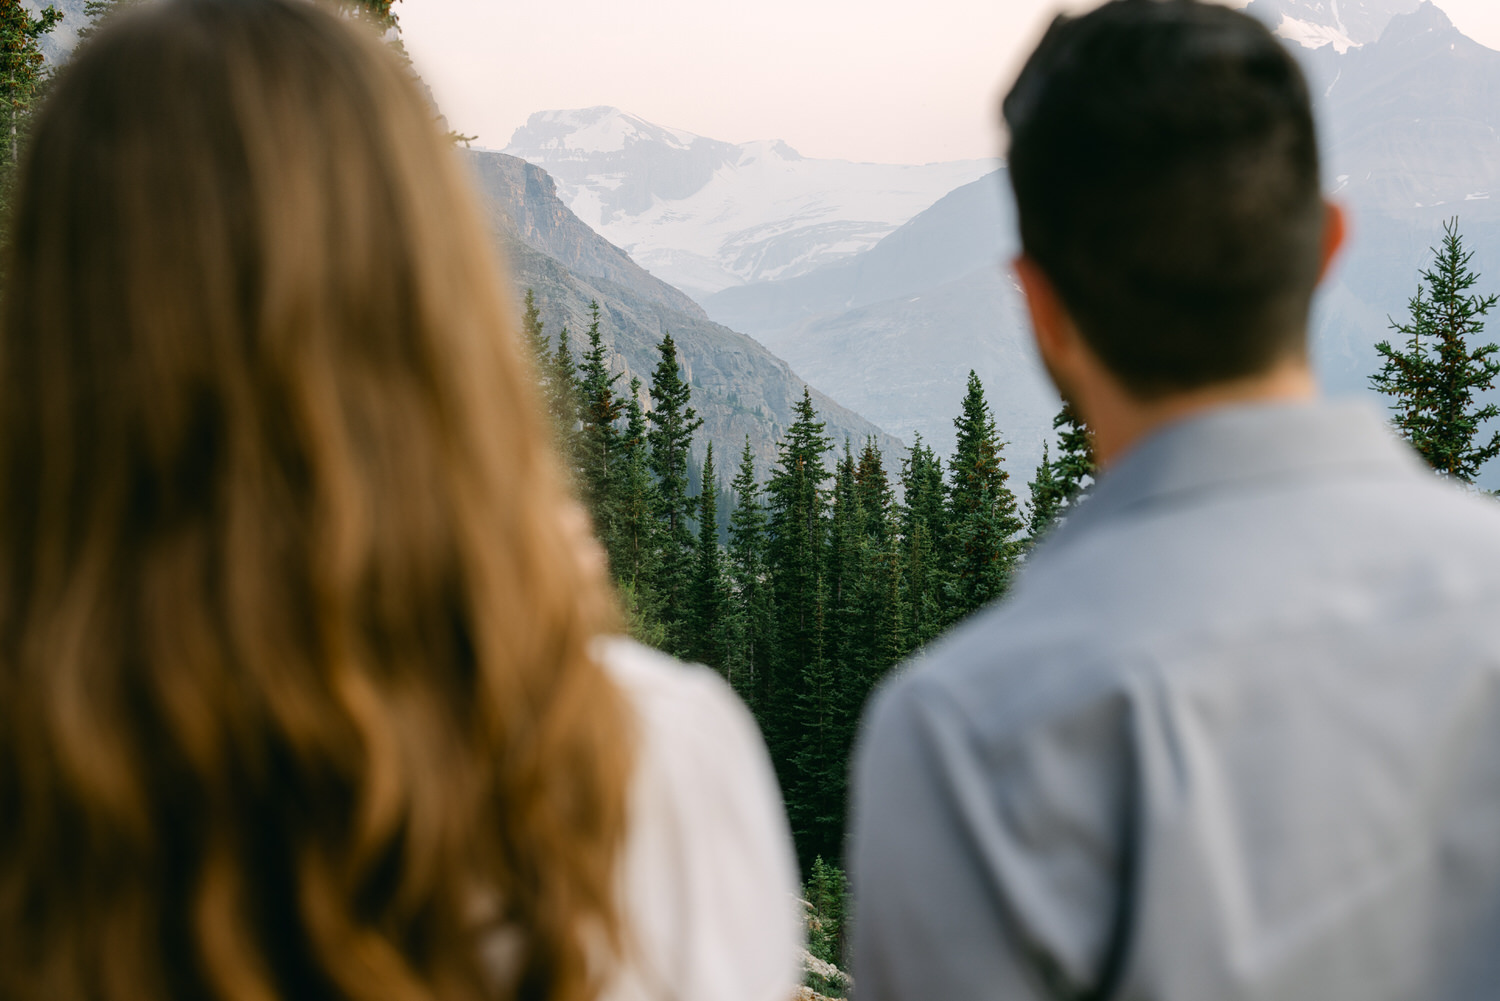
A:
{"points": [[708, 878]]}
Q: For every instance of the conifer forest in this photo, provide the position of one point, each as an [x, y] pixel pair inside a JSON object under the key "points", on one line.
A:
{"points": [[809, 581], [804, 584]]}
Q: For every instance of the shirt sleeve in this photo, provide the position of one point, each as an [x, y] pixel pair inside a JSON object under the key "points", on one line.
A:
{"points": [[709, 881], [978, 872]]}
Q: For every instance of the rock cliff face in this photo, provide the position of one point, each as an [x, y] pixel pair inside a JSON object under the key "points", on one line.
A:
{"points": [[739, 387]]}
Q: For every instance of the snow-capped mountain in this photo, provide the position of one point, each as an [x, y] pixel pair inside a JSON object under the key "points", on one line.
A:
{"points": [[1341, 24], [1410, 129], [706, 215]]}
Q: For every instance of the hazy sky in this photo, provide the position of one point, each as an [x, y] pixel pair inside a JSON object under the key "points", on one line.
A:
{"points": [[898, 81]]}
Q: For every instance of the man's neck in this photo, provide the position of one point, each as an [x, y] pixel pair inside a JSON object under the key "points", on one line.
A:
{"points": [[1121, 421]]}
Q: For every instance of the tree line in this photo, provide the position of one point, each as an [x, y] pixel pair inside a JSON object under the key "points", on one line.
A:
{"points": [[831, 567]]}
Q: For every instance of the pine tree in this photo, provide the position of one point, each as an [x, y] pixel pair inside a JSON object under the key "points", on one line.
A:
{"points": [[847, 572], [815, 760], [827, 894], [1434, 377], [924, 523], [534, 335], [98, 11], [1046, 499], [797, 530], [637, 501], [751, 626], [598, 442], [706, 627], [21, 76], [1075, 467], [563, 401], [673, 423], [982, 515], [1059, 486], [834, 685], [880, 590]]}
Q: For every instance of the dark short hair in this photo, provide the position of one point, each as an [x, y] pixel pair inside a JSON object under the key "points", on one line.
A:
{"points": [[1165, 168]]}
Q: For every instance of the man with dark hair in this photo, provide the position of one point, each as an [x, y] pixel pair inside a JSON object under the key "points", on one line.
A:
{"points": [[1235, 733]]}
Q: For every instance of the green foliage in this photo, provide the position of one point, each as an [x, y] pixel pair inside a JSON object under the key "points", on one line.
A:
{"points": [[640, 624], [673, 422], [823, 586], [827, 894], [21, 80], [534, 334], [1059, 486], [635, 501], [1075, 454], [924, 520], [880, 643], [982, 515], [705, 628], [1046, 498], [750, 625], [598, 444], [796, 535], [564, 400], [1433, 378], [99, 11]]}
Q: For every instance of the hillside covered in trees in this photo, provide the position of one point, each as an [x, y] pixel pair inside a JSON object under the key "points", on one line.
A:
{"points": [[739, 387], [834, 561]]}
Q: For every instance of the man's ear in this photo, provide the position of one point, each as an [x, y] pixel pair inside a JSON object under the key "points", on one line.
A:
{"points": [[1335, 232]]}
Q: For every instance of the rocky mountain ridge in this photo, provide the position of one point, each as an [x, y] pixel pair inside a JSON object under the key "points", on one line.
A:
{"points": [[739, 387]]}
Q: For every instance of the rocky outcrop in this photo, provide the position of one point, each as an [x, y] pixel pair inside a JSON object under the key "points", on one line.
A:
{"points": [[739, 387]]}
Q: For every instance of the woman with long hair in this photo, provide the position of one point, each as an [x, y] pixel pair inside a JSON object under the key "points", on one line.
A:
{"points": [[305, 684]]}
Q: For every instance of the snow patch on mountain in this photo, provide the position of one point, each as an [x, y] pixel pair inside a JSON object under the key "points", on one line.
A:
{"points": [[1313, 36], [595, 130], [1340, 24], [705, 215]]}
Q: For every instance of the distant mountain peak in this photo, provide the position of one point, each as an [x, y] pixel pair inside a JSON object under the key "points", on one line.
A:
{"points": [[1342, 24], [600, 129], [704, 214], [1426, 19]]}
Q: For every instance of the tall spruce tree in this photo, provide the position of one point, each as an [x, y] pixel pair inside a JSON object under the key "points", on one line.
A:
{"points": [[636, 506], [924, 524], [598, 442], [881, 588], [982, 515], [673, 422], [1046, 499], [97, 12], [534, 334], [1059, 485], [1075, 466], [564, 401], [751, 625], [1434, 377], [833, 686], [797, 530], [21, 78], [706, 639], [846, 570]]}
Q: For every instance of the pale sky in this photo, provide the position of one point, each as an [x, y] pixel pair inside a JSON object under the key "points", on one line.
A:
{"points": [[897, 81]]}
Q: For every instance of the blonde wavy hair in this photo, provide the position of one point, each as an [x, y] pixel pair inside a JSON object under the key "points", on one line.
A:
{"points": [[296, 698]]}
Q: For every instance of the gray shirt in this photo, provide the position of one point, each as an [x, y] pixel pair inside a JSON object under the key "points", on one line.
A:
{"points": [[1234, 734]]}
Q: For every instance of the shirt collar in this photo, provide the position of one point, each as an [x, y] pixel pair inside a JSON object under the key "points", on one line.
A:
{"points": [[1243, 444]]}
